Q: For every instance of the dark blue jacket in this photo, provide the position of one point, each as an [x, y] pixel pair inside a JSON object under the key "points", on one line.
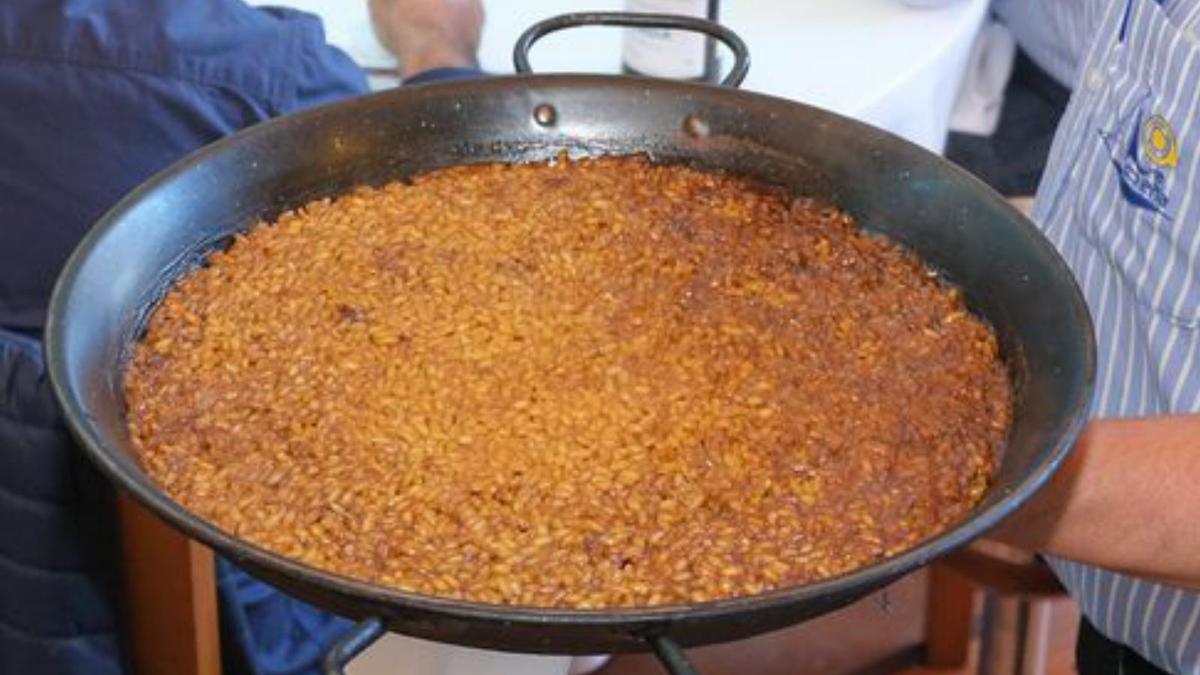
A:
{"points": [[96, 96]]}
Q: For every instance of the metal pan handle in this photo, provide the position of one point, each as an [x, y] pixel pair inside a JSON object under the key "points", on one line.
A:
{"points": [[741, 53]]}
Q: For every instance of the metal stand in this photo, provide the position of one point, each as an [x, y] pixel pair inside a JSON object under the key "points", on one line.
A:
{"points": [[369, 631], [672, 656], [344, 650]]}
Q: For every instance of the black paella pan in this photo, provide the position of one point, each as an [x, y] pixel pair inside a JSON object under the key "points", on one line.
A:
{"points": [[1009, 274]]}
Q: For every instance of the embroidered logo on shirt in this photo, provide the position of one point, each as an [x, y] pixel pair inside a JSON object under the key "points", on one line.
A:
{"points": [[1158, 142], [1142, 161]]}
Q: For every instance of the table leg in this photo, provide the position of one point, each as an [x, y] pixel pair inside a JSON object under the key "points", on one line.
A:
{"points": [[170, 597], [1037, 638], [949, 613], [1002, 643]]}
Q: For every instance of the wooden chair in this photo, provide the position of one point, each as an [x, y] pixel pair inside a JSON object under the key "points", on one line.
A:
{"points": [[1016, 617], [170, 597]]}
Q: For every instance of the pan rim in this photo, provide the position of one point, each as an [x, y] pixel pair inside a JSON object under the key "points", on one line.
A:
{"points": [[142, 488]]}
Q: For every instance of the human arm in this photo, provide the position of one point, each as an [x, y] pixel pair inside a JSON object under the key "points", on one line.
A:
{"points": [[1125, 499], [428, 35]]}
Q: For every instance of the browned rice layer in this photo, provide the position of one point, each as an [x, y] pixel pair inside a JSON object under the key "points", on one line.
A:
{"points": [[600, 383]]}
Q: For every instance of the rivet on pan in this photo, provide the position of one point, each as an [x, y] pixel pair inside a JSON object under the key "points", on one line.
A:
{"points": [[695, 127], [545, 115]]}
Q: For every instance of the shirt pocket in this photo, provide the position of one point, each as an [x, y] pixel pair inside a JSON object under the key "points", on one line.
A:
{"points": [[1136, 200]]}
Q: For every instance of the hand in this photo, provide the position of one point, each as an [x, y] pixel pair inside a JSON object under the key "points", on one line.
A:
{"points": [[427, 34]]}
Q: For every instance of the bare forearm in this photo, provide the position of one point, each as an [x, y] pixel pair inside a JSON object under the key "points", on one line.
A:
{"points": [[428, 34], [1128, 498]]}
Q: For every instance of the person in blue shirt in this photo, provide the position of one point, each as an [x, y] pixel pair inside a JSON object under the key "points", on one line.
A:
{"points": [[95, 97], [1120, 521]]}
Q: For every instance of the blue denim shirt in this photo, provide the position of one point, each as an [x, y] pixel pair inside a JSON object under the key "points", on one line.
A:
{"points": [[100, 94], [95, 97]]}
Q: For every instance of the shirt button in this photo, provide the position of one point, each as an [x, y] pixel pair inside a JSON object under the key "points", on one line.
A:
{"points": [[1095, 79]]}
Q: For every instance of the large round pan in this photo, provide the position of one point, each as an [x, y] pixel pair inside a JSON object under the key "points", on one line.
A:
{"points": [[1009, 273]]}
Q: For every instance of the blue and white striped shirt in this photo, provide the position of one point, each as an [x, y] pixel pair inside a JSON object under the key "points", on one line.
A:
{"points": [[1121, 200]]}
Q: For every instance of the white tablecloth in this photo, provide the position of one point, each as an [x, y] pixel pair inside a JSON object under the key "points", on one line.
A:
{"points": [[879, 61]]}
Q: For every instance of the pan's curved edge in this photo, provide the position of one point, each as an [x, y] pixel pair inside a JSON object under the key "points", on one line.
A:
{"points": [[409, 609]]}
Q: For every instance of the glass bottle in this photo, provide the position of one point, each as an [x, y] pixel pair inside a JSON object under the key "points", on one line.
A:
{"points": [[675, 54]]}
